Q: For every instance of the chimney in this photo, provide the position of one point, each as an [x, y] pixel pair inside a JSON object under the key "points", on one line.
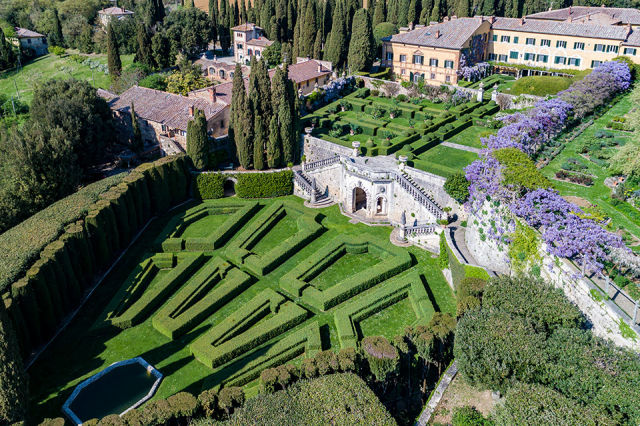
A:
{"points": [[212, 94], [629, 29], [190, 110], [445, 19], [437, 33], [492, 19], [570, 19], [410, 26], [319, 68], [122, 9], [522, 21], [454, 17]]}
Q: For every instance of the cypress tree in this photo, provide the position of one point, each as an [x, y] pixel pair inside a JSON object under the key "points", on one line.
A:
{"points": [[7, 54], [308, 31], [224, 31], [274, 144], [412, 13], [317, 46], [259, 140], [56, 38], [435, 13], [336, 49], [113, 55], [213, 17], [296, 41], [462, 8], [361, 47], [403, 10], [13, 382], [136, 141], [237, 129], [379, 13], [197, 140], [159, 10], [188, 3], [144, 54]]}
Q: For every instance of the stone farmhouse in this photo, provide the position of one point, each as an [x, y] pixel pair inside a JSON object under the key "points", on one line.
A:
{"points": [[118, 13], [572, 38], [308, 74], [216, 70], [32, 41], [248, 41]]}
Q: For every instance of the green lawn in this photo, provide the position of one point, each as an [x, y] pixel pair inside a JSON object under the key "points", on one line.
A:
{"points": [[598, 194], [540, 85], [444, 161], [50, 66], [471, 136], [354, 263], [204, 226], [90, 343]]}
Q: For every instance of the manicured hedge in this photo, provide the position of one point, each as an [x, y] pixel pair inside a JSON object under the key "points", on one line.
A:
{"points": [[209, 186], [249, 185]]}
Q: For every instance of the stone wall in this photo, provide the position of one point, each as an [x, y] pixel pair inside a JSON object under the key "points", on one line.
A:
{"points": [[315, 149], [434, 184]]}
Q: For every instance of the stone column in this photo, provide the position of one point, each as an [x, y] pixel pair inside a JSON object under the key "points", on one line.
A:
{"points": [[356, 148], [313, 191], [403, 225], [494, 94], [402, 162], [480, 93]]}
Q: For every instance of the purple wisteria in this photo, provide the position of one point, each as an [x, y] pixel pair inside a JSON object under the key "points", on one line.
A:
{"points": [[471, 72]]}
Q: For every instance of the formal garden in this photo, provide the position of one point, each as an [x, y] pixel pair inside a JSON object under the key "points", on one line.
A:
{"points": [[217, 291]]}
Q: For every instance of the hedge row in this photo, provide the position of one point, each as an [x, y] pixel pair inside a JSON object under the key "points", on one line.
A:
{"points": [[249, 185], [208, 290], [57, 281], [159, 293]]}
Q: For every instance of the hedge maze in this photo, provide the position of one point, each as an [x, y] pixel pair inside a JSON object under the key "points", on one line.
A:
{"points": [[239, 286]]}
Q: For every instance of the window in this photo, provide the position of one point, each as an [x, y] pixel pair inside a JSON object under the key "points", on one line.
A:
{"points": [[560, 60], [502, 58], [239, 46], [433, 62], [545, 42], [492, 56], [513, 55], [516, 40], [448, 64], [505, 39], [629, 51], [389, 56], [418, 59], [257, 53], [531, 41], [574, 61], [543, 58], [595, 63], [238, 35], [529, 56], [403, 71], [598, 48], [403, 58], [612, 48], [578, 45], [28, 41], [495, 37], [448, 79], [561, 43], [433, 76]]}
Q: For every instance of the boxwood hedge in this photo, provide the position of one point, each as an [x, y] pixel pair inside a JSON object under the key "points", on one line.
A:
{"points": [[249, 185]]}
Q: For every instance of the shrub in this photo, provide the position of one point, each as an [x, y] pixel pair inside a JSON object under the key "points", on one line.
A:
{"points": [[468, 416], [57, 50], [209, 186], [382, 356], [183, 405], [230, 398], [208, 401], [268, 380], [457, 186]]}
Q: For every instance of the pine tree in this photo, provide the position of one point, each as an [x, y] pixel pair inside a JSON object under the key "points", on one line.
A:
{"points": [[144, 54], [259, 141], [198, 140], [113, 54], [237, 129], [361, 47], [13, 382], [136, 140], [274, 144], [56, 38], [379, 13], [336, 48]]}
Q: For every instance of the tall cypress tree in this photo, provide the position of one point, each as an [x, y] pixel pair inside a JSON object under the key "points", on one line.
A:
{"points": [[379, 13], [198, 140], [435, 12], [287, 119], [237, 129], [113, 54], [274, 144], [159, 10], [56, 37], [7, 54], [403, 9], [259, 142], [144, 54], [412, 13], [462, 8], [317, 46], [213, 17], [308, 31], [13, 382], [336, 48], [361, 47], [136, 140]]}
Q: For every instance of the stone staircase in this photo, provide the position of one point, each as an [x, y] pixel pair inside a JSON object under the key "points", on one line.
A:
{"points": [[420, 194], [305, 182]]}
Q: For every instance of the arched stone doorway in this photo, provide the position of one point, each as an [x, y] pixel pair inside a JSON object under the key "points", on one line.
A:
{"points": [[229, 188], [381, 205], [359, 199]]}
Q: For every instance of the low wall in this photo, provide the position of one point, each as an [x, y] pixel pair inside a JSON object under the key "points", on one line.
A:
{"points": [[315, 149]]}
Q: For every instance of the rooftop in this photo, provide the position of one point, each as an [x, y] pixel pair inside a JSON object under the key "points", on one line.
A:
{"points": [[115, 11], [248, 26], [452, 34], [260, 42], [305, 70], [162, 107], [617, 15], [574, 29], [25, 33]]}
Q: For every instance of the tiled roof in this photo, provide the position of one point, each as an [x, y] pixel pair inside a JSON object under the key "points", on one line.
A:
{"points": [[106, 95], [612, 32], [25, 33], [227, 66], [245, 27], [115, 11], [622, 15], [260, 42], [633, 39], [453, 34], [162, 107], [223, 91], [303, 71]]}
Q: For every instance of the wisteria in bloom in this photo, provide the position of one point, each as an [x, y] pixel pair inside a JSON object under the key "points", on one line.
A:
{"points": [[334, 88], [460, 97], [485, 177], [471, 72]]}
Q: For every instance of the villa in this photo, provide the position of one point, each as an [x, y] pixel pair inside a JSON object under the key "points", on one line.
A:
{"points": [[248, 41], [118, 13], [32, 41]]}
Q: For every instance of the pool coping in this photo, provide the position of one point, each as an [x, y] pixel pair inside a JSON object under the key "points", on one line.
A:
{"points": [[139, 360]]}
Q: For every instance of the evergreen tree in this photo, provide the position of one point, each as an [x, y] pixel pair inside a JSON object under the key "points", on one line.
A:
{"points": [[56, 38], [198, 140], [188, 3], [308, 31], [259, 141], [336, 48], [412, 13], [213, 17], [361, 47], [274, 144], [461, 8], [7, 54], [159, 9], [379, 13], [286, 117], [224, 30], [237, 128], [113, 54], [136, 140], [435, 13], [317, 46], [327, 11], [144, 53], [243, 12], [13, 383], [403, 13]]}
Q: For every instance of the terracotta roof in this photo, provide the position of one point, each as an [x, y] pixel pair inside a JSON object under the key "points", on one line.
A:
{"points": [[618, 14], [227, 66], [223, 91], [540, 26], [115, 11], [303, 71], [633, 39], [106, 95], [25, 33], [245, 27], [260, 42], [453, 34], [162, 107]]}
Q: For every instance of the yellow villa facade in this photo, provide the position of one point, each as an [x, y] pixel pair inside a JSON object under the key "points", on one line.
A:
{"points": [[575, 38]]}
